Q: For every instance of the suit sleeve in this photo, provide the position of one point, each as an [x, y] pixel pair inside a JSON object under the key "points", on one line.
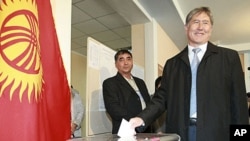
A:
{"points": [[157, 105], [239, 113]]}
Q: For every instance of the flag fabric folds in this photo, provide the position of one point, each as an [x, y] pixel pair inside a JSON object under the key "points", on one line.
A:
{"points": [[34, 90]]}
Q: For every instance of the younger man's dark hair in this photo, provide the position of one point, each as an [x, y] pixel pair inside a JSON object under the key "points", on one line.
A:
{"points": [[122, 51]]}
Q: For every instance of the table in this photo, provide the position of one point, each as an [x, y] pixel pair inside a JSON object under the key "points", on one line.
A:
{"points": [[138, 137]]}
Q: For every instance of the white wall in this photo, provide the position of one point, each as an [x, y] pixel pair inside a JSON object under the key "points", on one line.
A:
{"points": [[62, 16]]}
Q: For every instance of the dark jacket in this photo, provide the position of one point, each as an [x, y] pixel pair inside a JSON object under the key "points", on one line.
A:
{"points": [[121, 100], [221, 95]]}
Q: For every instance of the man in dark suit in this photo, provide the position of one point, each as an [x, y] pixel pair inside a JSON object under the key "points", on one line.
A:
{"points": [[125, 95], [220, 87]]}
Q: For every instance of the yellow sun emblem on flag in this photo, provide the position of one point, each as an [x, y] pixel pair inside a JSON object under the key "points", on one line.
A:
{"points": [[20, 62]]}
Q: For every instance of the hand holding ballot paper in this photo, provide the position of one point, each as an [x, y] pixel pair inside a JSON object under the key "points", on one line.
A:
{"points": [[126, 131]]}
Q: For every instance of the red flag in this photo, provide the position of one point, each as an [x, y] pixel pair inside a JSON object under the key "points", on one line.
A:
{"points": [[34, 91]]}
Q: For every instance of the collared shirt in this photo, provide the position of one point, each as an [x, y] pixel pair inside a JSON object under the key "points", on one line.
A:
{"points": [[132, 83], [200, 54]]}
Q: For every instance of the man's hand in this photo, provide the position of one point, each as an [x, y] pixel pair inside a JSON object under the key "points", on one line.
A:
{"points": [[136, 122], [73, 127]]}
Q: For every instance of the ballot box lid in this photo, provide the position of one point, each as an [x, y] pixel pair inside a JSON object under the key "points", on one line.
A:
{"points": [[138, 137]]}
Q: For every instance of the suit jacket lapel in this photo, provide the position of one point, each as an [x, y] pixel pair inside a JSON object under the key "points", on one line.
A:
{"points": [[124, 84]]}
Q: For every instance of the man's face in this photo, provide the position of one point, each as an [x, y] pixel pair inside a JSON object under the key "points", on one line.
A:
{"points": [[124, 63], [199, 29]]}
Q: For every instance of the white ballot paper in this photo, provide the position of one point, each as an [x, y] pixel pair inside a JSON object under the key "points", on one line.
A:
{"points": [[126, 132]]}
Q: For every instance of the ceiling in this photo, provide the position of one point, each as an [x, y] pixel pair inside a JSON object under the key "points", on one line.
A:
{"points": [[109, 21]]}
